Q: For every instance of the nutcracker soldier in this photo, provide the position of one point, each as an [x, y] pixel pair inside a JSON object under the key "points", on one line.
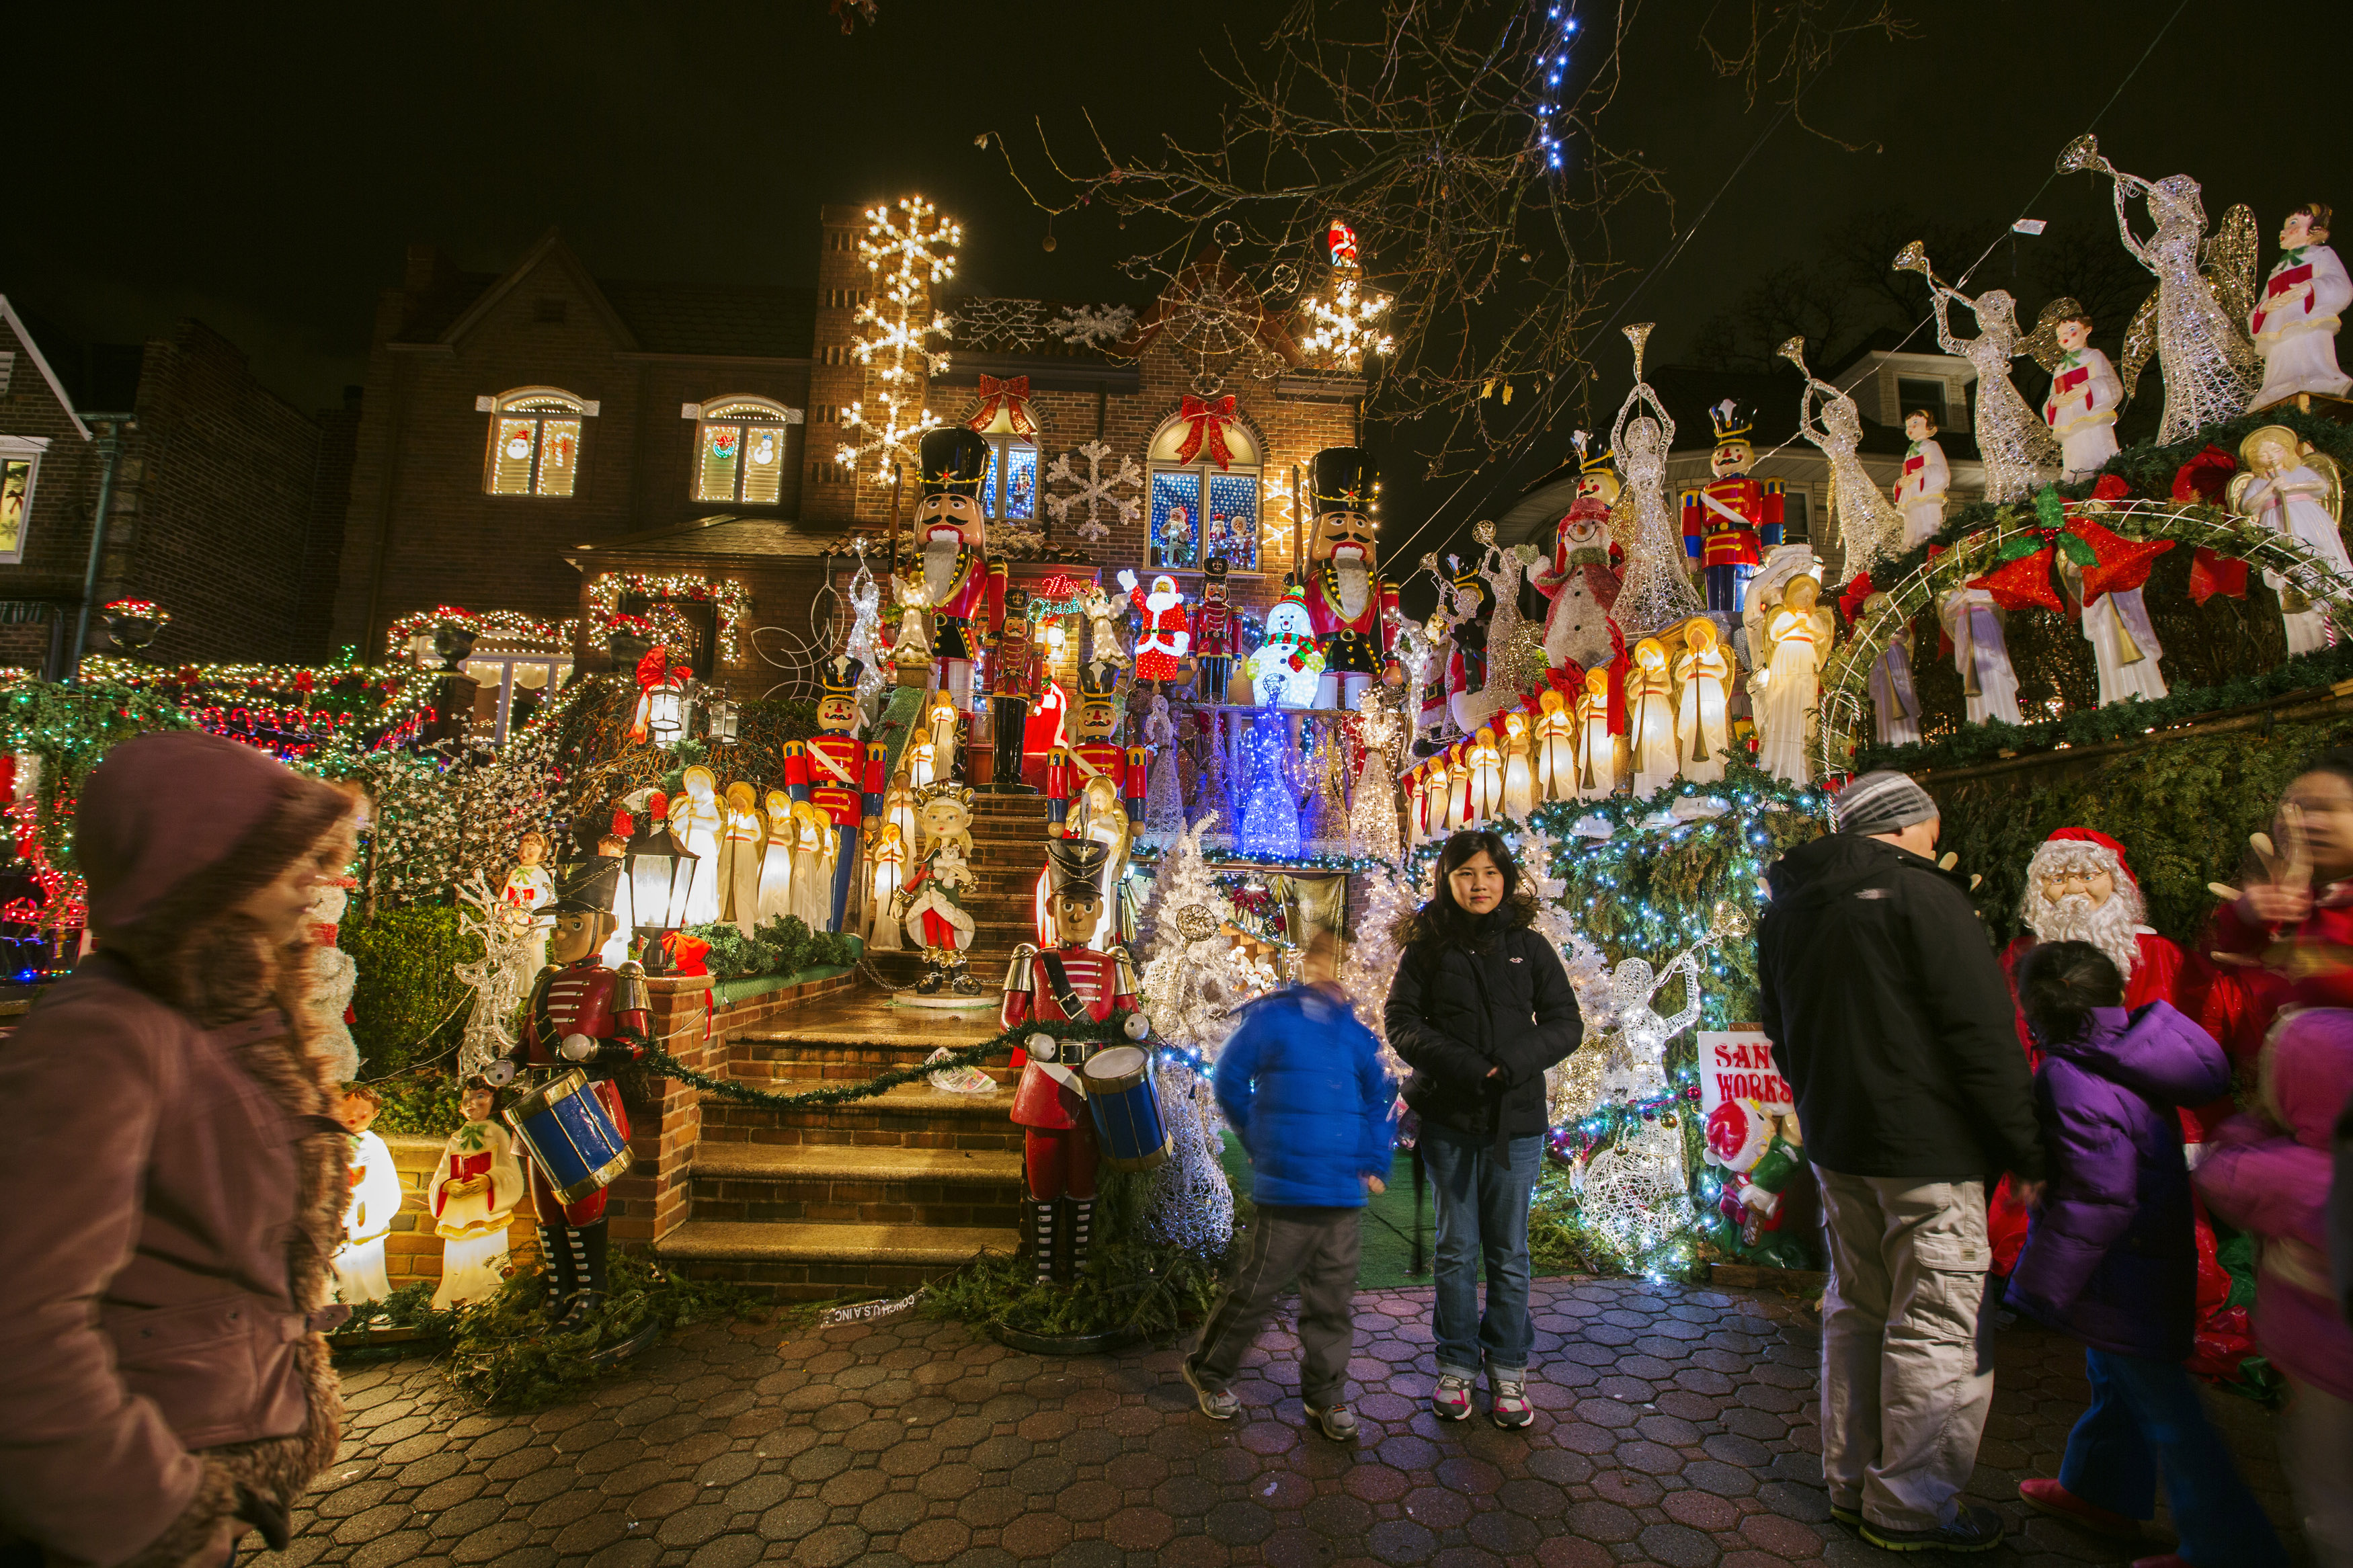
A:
{"points": [[1725, 519], [964, 589], [1014, 671], [1066, 981], [1348, 601], [1094, 790], [580, 1014], [841, 773], [1213, 633]]}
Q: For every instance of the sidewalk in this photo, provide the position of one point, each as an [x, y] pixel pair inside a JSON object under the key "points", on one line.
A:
{"points": [[1676, 1426]]}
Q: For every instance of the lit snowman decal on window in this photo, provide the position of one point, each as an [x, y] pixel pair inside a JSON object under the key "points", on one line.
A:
{"points": [[764, 451], [1288, 664]]}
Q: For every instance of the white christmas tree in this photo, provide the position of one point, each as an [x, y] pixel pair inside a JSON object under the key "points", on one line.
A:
{"points": [[1189, 989]]}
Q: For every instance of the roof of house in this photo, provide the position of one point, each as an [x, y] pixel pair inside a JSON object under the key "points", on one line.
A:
{"points": [[48, 375]]}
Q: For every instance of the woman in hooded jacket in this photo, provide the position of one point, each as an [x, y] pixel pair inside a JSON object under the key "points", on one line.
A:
{"points": [[172, 1181], [1480, 1007]]}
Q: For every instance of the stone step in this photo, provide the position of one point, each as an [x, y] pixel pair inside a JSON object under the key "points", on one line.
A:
{"points": [[810, 1262], [913, 1116], [836, 1185]]}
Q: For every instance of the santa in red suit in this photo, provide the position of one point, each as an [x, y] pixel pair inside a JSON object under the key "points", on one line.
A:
{"points": [[1066, 981], [1167, 632]]}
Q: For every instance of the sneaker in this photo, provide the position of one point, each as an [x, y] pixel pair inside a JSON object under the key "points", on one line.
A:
{"points": [[1217, 1404], [2049, 1497], [1451, 1398], [1972, 1529], [1339, 1423], [1850, 1517], [1507, 1401], [2170, 1559]]}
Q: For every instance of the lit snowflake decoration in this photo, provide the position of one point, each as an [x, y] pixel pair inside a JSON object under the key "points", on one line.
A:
{"points": [[1093, 326], [1096, 490]]}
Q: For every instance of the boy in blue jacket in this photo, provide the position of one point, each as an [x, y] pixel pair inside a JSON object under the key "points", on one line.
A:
{"points": [[1301, 1084]]}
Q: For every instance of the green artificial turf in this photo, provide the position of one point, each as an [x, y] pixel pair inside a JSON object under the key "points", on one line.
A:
{"points": [[1387, 1260]]}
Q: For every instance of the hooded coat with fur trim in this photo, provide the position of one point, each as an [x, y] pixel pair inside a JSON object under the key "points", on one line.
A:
{"points": [[173, 1182]]}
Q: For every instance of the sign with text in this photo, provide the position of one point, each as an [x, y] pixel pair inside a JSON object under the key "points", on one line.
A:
{"points": [[1737, 1064]]}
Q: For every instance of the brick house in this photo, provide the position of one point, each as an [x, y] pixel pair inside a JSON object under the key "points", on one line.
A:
{"points": [[531, 435], [222, 501]]}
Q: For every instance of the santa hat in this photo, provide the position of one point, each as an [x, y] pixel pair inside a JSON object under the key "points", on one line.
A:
{"points": [[2098, 840]]}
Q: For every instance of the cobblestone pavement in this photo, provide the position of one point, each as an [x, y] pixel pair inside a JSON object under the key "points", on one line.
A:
{"points": [[1676, 1426]]}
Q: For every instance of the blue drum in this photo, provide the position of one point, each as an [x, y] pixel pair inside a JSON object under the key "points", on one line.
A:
{"points": [[571, 1135], [1128, 1125]]}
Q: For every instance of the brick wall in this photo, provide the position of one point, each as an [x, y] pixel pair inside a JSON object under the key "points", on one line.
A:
{"points": [[57, 530]]}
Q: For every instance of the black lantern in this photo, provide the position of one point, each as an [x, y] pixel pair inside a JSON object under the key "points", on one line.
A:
{"points": [[662, 874], [720, 721]]}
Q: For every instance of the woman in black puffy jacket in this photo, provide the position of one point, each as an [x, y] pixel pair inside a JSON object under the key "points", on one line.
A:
{"points": [[1481, 1006]]}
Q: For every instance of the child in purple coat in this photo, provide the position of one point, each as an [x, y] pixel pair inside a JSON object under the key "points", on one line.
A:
{"points": [[2111, 1259]]}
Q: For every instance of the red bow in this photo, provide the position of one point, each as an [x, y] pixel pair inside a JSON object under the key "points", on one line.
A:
{"points": [[2211, 574], [1856, 593], [2204, 476], [1616, 680], [653, 669], [1009, 397], [1209, 421]]}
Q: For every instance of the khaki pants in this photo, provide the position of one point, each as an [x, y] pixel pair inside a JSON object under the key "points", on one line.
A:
{"points": [[1316, 1247], [1905, 1381]]}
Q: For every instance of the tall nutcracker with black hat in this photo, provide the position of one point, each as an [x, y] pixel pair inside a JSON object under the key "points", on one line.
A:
{"points": [[1349, 602], [582, 1023], [1213, 633], [841, 773], [964, 589], [1725, 519], [1016, 681], [1066, 981]]}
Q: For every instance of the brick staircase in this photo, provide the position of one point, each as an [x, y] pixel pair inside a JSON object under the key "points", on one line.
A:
{"points": [[880, 1193]]}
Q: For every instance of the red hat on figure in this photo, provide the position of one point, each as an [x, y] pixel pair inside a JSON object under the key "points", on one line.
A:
{"points": [[2094, 836]]}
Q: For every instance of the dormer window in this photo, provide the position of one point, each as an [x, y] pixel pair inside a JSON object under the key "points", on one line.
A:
{"points": [[740, 450], [535, 441], [1009, 491]]}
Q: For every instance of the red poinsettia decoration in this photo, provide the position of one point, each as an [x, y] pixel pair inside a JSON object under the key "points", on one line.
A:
{"points": [[2211, 573], [2123, 564], [1852, 598], [2024, 582], [2205, 477]]}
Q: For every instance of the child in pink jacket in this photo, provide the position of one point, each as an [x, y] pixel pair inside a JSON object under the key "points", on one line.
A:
{"points": [[2270, 1175]]}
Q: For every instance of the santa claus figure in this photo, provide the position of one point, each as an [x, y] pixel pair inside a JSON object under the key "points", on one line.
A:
{"points": [[1582, 579], [1213, 633], [1348, 601], [2294, 323], [964, 589], [1167, 632]]}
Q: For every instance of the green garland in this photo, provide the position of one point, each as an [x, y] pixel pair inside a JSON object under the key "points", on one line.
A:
{"points": [[661, 1063]]}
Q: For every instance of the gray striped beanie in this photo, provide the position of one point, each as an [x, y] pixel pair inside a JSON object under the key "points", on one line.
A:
{"points": [[1885, 802]]}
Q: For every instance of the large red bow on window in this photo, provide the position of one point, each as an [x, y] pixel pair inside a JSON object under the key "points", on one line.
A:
{"points": [[1009, 397], [1209, 421]]}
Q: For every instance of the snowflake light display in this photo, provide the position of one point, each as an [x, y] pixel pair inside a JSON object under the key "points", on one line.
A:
{"points": [[1093, 326], [1096, 491], [1342, 332], [908, 249]]}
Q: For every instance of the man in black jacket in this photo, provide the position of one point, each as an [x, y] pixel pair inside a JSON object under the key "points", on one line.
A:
{"points": [[1889, 1019]]}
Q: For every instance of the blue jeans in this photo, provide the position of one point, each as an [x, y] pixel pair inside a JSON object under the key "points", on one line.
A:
{"points": [[2145, 1416], [1483, 1214]]}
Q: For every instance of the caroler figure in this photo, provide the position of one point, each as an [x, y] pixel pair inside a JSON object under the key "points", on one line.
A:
{"points": [[1066, 981], [2081, 407], [472, 1194], [840, 775], [581, 1024], [2295, 321], [1926, 476]]}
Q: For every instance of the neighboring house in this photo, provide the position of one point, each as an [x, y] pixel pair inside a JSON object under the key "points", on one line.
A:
{"points": [[222, 502], [531, 435]]}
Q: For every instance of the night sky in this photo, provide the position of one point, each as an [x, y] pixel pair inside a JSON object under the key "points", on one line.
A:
{"points": [[263, 170]]}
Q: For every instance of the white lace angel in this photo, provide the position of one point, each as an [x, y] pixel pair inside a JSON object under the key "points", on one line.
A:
{"points": [[1634, 1066], [1655, 591], [1868, 523], [2013, 442]]}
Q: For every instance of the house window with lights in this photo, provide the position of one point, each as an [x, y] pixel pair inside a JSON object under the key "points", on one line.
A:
{"points": [[1197, 508], [535, 441], [743, 446], [1008, 492]]}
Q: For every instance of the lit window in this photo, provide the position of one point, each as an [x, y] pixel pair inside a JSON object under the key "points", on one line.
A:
{"points": [[535, 441], [1200, 509], [20, 465], [512, 688], [1008, 492], [740, 450]]}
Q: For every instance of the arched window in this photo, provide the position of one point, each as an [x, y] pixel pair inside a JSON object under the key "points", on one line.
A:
{"points": [[1009, 493], [1198, 508], [535, 441], [740, 450]]}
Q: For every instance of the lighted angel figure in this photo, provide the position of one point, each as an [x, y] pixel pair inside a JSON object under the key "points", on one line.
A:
{"points": [[1373, 803], [1634, 1064], [1163, 801], [1654, 590], [2297, 492], [865, 641], [1794, 645], [2192, 322], [1516, 658], [1868, 523], [2013, 442]]}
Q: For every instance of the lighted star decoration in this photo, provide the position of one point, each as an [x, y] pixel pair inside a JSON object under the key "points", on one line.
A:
{"points": [[911, 250], [1342, 332]]}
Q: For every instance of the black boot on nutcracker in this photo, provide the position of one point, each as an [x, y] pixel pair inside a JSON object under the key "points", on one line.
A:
{"points": [[580, 1015], [1067, 982], [935, 974]]}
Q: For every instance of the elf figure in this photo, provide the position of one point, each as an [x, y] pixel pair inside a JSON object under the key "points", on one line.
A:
{"points": [[2294, 323], [964, 589], [933, 894], [1065, 982], [1213, 633], [838, 772], [1014, 671], [1759, 1154], [579, 1015], [472, 1195], [1582, 579], [1348, 601], [1725, 520], [1920, 488], [2081, 408], [358, 1263], [1167, 632]]}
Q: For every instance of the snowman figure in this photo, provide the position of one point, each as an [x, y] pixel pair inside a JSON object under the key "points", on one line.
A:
{"points": [[1288, 664]]}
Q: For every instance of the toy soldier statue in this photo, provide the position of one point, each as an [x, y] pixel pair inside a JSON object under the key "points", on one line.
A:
{"points": [[964, 589], [1013, 687], [839, 773], [1094, 789], [1725, 519], [1213, 634], [1066, 981], [580, 1014], [1348, 601]]}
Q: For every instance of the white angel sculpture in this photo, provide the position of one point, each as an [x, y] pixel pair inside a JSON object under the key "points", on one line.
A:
{"points": [[2013, 442], [1634, 1064], [1868, 523], [1655, 592]]}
